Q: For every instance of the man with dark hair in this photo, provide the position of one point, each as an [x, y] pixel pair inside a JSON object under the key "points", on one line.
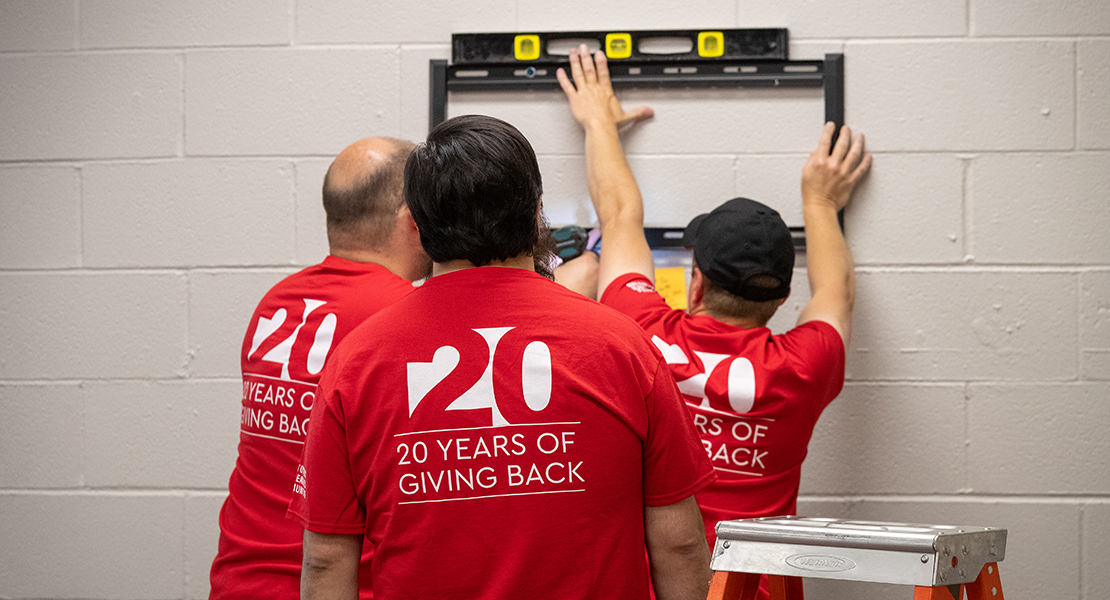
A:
{"points": [[493, 434], [375, 254], [753, 396]]}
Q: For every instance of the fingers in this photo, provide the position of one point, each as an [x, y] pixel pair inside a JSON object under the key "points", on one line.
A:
{"points": [[582, 68], [847, 162], [842, 143], [855, 152], [564, 82], [590, 92], [825, 142], [862, 168], [602, 64], [635, 115], [576, 68], [587, 64]]}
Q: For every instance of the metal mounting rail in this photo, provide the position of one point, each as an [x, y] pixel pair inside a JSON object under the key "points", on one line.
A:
{"points": [[827, 74], [635, 74]]}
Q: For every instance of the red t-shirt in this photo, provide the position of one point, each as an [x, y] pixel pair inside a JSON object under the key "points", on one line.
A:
{"points": [[754, 397], [497, 436], [294, 328]]}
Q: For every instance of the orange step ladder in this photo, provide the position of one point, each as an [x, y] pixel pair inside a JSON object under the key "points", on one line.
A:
{"points": [[942, 562]]}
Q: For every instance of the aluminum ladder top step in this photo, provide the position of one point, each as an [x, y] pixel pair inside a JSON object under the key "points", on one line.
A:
{"points": [[899, 553]]}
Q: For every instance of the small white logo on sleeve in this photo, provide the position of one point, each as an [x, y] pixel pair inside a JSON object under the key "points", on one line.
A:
{"points": [[301, 482], [640, 286]]}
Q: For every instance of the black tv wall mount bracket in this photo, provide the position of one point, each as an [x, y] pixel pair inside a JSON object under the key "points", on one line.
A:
{"points": [[725, 58]]}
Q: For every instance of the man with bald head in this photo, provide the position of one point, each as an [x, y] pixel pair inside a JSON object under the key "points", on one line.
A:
{"points": [[374, 255]]}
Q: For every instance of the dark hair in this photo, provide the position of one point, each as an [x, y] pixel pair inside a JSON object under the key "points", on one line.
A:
{"points": [[473, 189], [362, 216]]}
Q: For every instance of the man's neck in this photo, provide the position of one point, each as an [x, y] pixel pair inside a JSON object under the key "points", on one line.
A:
{"points": [[741, 322], [371, 257], [359, 256], [523, 261]]}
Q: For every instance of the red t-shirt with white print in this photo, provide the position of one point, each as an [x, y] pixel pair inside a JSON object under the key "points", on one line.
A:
{"points": [[498, 436], [754, 397], [296, 325]]}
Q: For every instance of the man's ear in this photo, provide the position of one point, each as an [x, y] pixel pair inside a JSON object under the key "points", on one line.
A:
{"points": [[404, 217], [405, 231], [696, 292]]}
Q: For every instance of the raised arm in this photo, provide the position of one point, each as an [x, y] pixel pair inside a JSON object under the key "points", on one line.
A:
{"points": [[613, 189], [677, 551], [827, 183]]}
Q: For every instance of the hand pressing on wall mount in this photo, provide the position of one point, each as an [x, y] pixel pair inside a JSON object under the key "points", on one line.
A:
{"points": [[828, 179], [613, 189], [590, 92]]}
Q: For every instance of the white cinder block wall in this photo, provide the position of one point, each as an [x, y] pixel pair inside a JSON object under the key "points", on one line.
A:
{"points": [[160, 166]]}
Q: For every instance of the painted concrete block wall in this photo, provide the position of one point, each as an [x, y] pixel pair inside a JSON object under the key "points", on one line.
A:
{"points": [[160, 168]]}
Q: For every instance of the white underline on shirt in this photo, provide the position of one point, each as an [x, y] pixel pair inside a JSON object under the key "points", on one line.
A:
{"points": [[739, 472], [261, 376], [491, 496], [270, 437], [726, 413], [486, 427]]}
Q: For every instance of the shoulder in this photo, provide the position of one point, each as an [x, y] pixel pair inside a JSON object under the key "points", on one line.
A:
{"points": [[635, 295], [818, 331], [814, 342], [593, 317], [587, 323], [295, 279], [332, 275]]}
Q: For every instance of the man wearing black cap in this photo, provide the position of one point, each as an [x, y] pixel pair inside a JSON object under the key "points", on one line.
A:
{"points": [[753, 396]]}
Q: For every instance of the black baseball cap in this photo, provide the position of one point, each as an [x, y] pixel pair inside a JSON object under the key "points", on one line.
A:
{"points": [[738, 240]]}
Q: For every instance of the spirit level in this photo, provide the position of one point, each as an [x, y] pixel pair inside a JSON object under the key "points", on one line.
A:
{"points": [[655, 45]]}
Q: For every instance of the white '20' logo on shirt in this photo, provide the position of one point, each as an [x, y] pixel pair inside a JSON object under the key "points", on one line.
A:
{"points": [[321, 342], [741, 375], [535, 377]]}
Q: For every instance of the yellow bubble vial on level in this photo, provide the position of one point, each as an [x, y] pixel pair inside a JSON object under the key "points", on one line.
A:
{"points": [[527, 47], [618, 45], [711, 43]]}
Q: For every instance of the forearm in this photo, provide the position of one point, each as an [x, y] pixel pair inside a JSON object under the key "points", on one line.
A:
{"points": [[329, 570], [829, 263], [613, 189], [619, 206], [677, 551], [681, 574], [830, 270]]}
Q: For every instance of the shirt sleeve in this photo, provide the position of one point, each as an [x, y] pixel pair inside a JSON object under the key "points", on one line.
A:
{"points": [[635, 296], [821, 357], [324, 497], [675, 463]]}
